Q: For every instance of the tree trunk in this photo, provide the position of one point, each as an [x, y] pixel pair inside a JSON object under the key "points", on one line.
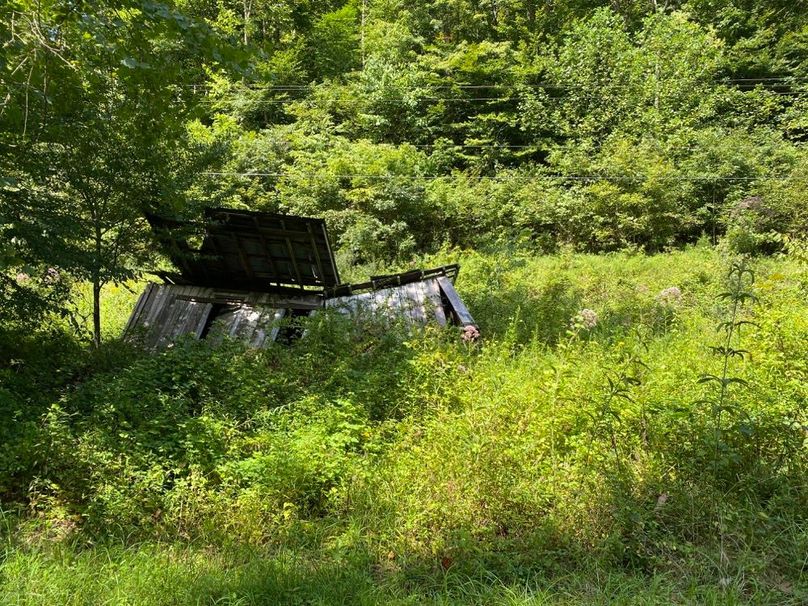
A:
{"points": [[96, 313]]}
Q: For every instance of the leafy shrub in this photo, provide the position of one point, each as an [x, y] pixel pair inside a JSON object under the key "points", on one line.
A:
{"points": [[576, 431]]}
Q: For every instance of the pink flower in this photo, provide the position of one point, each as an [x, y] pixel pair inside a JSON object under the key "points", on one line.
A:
{"points": [[470, 333], [51, 275], [586, 318]]}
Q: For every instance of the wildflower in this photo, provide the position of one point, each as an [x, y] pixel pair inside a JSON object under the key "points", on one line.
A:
{"points": [[470, 334], [670, 296], [51, 275], [23, 277], [586, 318]]}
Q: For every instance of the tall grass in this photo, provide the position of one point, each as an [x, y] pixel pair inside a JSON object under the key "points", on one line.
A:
{"points": [[567, 458]]}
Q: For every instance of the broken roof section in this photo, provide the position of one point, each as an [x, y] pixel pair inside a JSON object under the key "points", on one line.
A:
{"points": [[251, 251], [254, 269]]}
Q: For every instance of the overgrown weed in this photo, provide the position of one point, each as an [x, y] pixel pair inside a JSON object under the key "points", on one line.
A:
{"points": [[396, 465]]}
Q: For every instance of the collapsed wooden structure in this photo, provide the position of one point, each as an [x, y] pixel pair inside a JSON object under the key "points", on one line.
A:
{"points": [[253, 270]]}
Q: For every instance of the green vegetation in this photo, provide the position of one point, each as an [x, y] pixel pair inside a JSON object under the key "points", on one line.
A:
{"points": [[632, 125], [624, 186], [570, 457]]}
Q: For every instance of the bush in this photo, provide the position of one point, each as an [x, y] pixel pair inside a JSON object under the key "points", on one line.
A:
{"points": [[577, 431]]}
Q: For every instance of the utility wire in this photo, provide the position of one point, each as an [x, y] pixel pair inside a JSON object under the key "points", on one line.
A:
{"points": [[448, 145], [532, 178], [261, 102], [785, 80]]}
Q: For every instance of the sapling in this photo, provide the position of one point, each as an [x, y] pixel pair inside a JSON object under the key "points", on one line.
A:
{"points": [[738, 294], [741, 278]]}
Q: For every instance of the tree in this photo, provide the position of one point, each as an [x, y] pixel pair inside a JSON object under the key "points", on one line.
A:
{"points": [[96, 106]]}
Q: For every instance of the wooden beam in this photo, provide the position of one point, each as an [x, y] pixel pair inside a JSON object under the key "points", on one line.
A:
{"points": [[269, 300], [331, 259], [245, 262], [293, 260], [265, 246], [458, 307], [319, 263]]}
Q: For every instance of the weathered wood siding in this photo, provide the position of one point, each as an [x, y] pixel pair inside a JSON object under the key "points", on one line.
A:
{"points": [[255, 325], [165, 312], [417, 303]]}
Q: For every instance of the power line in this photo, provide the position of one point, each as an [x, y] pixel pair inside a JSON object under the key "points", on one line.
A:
{"points": [[261, 102], [532, 178], [551, 85], [448, 145]]}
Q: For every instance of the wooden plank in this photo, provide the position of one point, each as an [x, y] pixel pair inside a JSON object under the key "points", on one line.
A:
{"points": [[246, 231], [314, 301], [172, 317], [276, 328], [263, 326], [197, 317], [185, 318], [155, 305], [392, 304], [245, 262], [134, 317], [142, 325], [373, 303], [183, 310], [404, 307], [413, 302], [166, 325], [458, 307], [240, 318], [266, 248], [251, 317], [256, 336], [318, 262], [415, 297], [267, 327], [204, 313], [293, 262], [160, 310], [197, 313], [143, 302], [420, 287], [434, 301], [397, 305], [380, 302], [222, 325], [346, 305], [235, 319]]}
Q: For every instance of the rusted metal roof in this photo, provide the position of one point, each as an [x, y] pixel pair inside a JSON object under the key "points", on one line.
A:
{"points": [[250, 251]]}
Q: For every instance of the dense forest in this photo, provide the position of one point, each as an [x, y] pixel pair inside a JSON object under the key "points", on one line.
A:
{"points": [[616, 179]]}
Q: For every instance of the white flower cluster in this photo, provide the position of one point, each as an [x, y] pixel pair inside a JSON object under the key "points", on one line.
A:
{"points": [[51, 276], [586, 318], [670, 296]]}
